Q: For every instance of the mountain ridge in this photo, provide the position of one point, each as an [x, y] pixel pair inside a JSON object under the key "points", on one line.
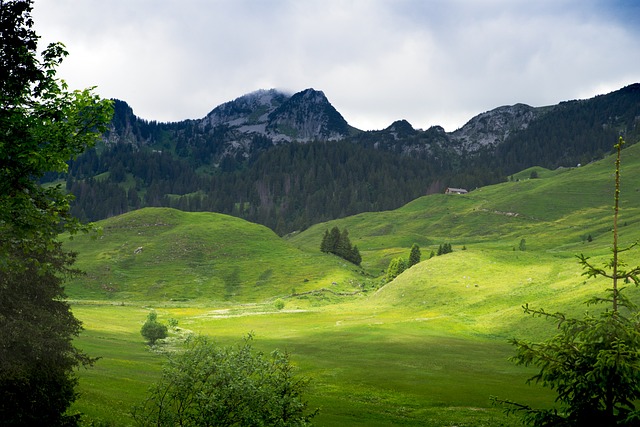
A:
{"points": [[304, 116], [308, 116]]}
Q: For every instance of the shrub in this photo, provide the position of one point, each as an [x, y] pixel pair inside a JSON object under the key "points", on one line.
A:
{"points": [[210, 385], [152, 330]]}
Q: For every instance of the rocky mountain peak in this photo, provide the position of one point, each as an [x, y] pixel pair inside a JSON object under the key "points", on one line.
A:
{"points": [[493, 127], [401, 129], [248, 110], [307, 115]]}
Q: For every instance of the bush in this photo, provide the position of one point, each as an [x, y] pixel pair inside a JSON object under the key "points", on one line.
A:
{"points": [[210, 385], [153, 330]]}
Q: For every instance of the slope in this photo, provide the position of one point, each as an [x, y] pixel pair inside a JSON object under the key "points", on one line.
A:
{"points": [[165, 254], [555, 212], [480, 287]]}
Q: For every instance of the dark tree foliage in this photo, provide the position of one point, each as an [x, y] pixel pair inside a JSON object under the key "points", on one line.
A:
{"points": [[42, 126], [414, 255], [396, 267], [593, 362], [152, 330], [37, 356], [444, 248], [337, 242], [210, 385], [287, 188]]}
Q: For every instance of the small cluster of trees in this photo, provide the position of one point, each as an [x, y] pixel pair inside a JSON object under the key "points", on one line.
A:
{"points": [[337, 242], [444, 248], [398, 265]]}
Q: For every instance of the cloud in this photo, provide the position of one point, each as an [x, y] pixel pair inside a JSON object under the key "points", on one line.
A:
{"points": [[430, 62]]}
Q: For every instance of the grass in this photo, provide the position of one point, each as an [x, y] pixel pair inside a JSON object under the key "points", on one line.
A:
{"points": [[165, 254], [428, 348], [366, 370]]}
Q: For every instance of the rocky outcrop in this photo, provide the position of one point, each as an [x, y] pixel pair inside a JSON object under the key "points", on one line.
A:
{"points": [[493, 127], [307, 116], [304, 116]]}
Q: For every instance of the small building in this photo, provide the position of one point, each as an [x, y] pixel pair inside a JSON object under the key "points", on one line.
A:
{"points": [[451, 190]]}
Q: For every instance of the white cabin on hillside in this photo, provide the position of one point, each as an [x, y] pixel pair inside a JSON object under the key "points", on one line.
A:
{"points": [[451, 190]]}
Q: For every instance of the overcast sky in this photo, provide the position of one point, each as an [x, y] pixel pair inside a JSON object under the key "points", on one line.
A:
{"points": [[431, 62]]}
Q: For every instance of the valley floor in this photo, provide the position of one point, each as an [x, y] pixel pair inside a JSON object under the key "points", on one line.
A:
{"points": [[367, 368]]}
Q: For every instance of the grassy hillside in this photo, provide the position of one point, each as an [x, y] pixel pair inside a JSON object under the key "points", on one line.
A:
{"points": [[554, 213], [160, 254], [428, 348]]}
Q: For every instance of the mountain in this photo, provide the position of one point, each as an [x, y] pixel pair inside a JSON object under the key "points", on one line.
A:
{"points": [[305, 116], [289, 161]]}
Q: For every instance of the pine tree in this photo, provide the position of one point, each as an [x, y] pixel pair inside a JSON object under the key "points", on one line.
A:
{"points": [[396, 267], [355, 256], [343, 248], [338, 243], [414, 256], [324, 245], [334, 238]]}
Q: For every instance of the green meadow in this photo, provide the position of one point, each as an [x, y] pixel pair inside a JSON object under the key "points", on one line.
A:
{"points": [[427, 349]]}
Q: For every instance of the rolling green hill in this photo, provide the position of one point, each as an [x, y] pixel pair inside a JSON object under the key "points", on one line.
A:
{"points": [[481, 286], [162, 254]]}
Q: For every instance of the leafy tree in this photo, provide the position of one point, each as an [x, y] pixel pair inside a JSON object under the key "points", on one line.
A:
{"points": [[42, 126], [414, 255], [153, 330], [593, 363], [396, 267], [210, 385]]}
